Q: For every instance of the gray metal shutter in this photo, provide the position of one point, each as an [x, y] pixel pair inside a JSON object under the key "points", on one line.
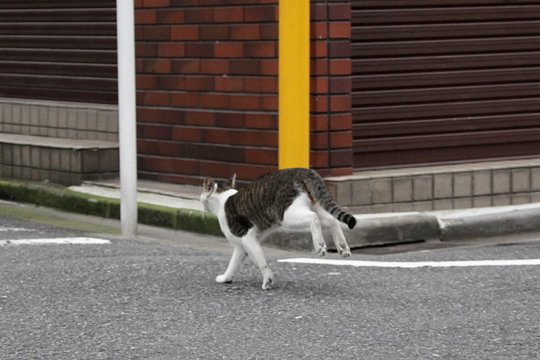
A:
{"points": [[58, 50], [445, 80]]}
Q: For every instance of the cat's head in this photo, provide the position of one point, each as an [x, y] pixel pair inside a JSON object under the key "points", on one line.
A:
{"points": [[210, 190]]}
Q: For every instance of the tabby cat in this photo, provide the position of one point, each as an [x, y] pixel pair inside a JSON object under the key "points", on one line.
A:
{"points": [[288, 199]]}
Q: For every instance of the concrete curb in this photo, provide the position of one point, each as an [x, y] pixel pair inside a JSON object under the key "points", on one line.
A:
{"points": [[371, 230]]}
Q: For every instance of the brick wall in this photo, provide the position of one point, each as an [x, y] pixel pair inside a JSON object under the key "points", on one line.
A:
{"points": [[207, 88], [331, 119]]}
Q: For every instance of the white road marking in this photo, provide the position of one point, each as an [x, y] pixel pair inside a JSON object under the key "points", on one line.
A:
{"points": [[412, 264], [56, 241], [13, 229]]}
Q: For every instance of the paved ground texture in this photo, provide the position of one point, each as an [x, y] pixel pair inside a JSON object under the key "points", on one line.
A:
{"points": [[158, 300]]}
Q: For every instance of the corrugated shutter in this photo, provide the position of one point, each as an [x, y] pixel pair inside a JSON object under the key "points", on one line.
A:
{"points": [[58, 50], [445, 80]]}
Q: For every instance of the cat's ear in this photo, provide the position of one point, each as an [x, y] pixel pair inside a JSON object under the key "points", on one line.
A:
{"points": [[209, 185], [233, 181]]}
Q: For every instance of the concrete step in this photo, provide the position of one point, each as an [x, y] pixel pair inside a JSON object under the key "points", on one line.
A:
{"points": [[59, 160], [448, 187]]}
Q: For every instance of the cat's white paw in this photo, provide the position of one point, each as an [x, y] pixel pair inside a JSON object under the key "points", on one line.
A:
{"points": [[268, 284], [222, 279], [345, 253], [322, 251]]}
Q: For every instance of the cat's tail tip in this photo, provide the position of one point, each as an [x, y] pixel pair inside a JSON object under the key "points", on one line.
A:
{"points": [[350, 220]]}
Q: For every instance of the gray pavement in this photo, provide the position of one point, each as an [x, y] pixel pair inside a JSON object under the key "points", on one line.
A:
{"points": [[155, 298]]}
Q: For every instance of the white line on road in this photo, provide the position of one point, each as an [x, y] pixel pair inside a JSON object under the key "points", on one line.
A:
{"points": [[412, 264], [13, 229], [56, 241]]}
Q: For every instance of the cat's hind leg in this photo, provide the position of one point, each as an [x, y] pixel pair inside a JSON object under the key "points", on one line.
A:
{"points": [[337, 233], [339, 239], [299, 215], [255, 253], [237, 258]]}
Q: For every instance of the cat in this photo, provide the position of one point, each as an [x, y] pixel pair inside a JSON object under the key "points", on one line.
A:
{"points": [[288, 199]]}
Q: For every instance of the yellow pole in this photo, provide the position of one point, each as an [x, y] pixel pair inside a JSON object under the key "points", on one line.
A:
{"points": [[293, 83]]}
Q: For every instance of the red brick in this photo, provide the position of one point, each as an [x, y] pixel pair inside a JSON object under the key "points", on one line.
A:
{"points": [[146, 50], [341, 121], [319, 103], [245, 102], [185, 99], [229, 50], [215, 101], [217, 170], [269, 31], [340, 67], [146, 82], [229, 83], [171, 82], [260, 49], [171, 50], [318, 12], [318, 30], [245, 67], [162, 132], [340, 84], [230, 119], [318, 49], [184, 32], [318, 141], [261, 84], [269, 102], [199, 83], [155, 3], [318, 122], [202, 118], [160, 116], [157, 66], [185, 66], [261, 121], [170, 16], [199, 49], [229, 14], [145, 17], [214, 66], [318, 159], [340, 11], [214, 32], [190, 134], [341, 158], [269, 67], [261, 13], [340, 103], [339, 49], [341, 30], [158, 98], [156, 33], [319, 85], [199, 15], [342, 139], [251, 172], [245, 32], [319, 67], [261, 156]]}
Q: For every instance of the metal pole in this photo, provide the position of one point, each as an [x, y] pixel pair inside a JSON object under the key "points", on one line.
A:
{"points": [[293, 83], [125, 25]]}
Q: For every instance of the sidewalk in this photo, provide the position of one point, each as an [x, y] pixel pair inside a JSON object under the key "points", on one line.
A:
{"points": [[178, 207]]}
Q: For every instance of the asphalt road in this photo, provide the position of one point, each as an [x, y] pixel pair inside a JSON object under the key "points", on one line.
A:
{"points": [[156, 299]]}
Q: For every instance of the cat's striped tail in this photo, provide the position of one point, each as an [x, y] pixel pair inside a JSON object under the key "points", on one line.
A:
{"points": [[318, 192], [343, 216]]}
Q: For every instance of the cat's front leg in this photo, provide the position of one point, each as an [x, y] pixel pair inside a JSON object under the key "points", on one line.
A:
{"points": [[237, 258], [255, 253]]}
